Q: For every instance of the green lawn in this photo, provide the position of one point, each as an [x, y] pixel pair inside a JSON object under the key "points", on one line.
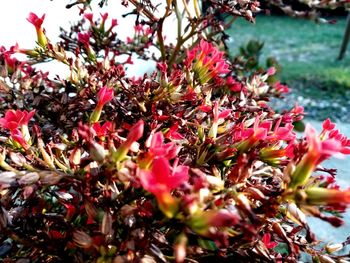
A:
{"points": [[306, 51]]}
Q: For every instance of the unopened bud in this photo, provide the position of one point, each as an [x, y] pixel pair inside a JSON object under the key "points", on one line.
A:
{"points": [[17, 158], [75, 157], [97, 152], [49, 177], [325, 259], [323, 196], [331, 248], [180, 248], [106, 226], [216, 184], [7, 177], [29, 178], [81, 239]]}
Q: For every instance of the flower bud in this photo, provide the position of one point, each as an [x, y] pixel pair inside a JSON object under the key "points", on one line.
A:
{"points": [[49, 177], [135, 133], [81, 239], [7, 178], [322, 196], [29, 178], [97, 152], [180, 248], [17, 158], [106, 226], [325, 259], [331, 248], [216, 184]]}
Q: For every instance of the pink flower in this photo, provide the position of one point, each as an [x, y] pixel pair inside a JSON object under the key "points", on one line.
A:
{"points": [[89, 16], [84, 38], [129, 61], [162, 67], [135, 133], [35, 20], [318, 151], [280, 88], [102, 131], [129, 40], [271, 71], [138, 28], [217, 116], [159, 149], [173, 133], [328, 125], [19, 137], [14, 119], [249, 137], [234, 85], [113, 24], [104, 96], [208, 61], [10, 62], [162, 178], [266, 239], [104, 17]]}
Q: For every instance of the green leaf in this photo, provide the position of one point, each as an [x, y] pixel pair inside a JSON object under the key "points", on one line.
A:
{"points": [[207, 244], [282, 248]]}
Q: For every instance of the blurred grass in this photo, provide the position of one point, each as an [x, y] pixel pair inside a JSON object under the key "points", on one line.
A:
{"points": [[306, 51]]}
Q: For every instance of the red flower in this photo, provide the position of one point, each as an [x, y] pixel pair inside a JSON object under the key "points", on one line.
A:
{"points": [[14, 119], [328, 125], [135, 133], [158, 148], [89, 16], [84, 38], [10, 62], [104, 17], [318, 151], [234, 85], [173, 133], [35, 20], [162, 178], [209, 61], [267, 241], [217, 117], [113, 24], [271, 71], [280, 88], [104, 95], [102, 130], [18, 137], [138, 28]]}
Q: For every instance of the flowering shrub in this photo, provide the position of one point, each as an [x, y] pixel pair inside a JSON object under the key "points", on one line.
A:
{"points": [[186, 164]]}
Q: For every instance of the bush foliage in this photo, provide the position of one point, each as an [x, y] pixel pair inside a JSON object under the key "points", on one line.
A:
{"points": [[186, 164]]}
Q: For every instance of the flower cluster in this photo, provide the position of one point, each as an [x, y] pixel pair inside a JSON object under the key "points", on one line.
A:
{"points": [[188, 163]]}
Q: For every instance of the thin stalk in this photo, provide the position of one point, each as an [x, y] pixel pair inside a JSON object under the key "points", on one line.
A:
{"points": [[186, 9], [160, 38], [146, 12], [196, 8], [179, 44]]}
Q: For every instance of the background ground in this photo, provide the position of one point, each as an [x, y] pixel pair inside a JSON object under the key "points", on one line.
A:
{"points": [[308, 55]]}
